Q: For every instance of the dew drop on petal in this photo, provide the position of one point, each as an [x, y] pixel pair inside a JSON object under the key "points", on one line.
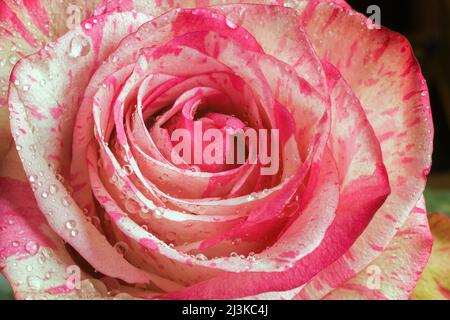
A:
{"points": [[157, 213], [34, 282], [236, 241], [79, 47], [60, 178], [121, 247], [13, 60], [201, 257], [144, 209], [65, 202], [32, 247], [95, 221], [71, 224], [132, 206], [53, 189], [128, 169], [171, 236], [231, 24]]}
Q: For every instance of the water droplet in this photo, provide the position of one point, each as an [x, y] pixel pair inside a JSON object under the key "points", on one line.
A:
{"points": [[15, 244], [29, 268], [32, 247], [95, 221], [33, 178], [128, 169], [157, 213], [234, 255], [144, 209], [53, 189], [171, 236], [251, 258], [13, 60], [88, 26], [195, 169], [18, 147], [44, 194], [132, 206], [201, 257], [34, 282], [79, 47], [236, 242], [73, 233], [41, 259], [60, 178], [26, 88], [71, 224], [65, 202], [121, 247], [231, 24]]}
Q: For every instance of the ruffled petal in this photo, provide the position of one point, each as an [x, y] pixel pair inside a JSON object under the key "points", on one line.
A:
{"points": [[394, 273], [33, 258], [380, 67], [43, 115], [434, 283], [24, 29]]}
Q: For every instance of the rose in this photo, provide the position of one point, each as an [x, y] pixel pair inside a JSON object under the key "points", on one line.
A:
{"points": [[106, 213]]}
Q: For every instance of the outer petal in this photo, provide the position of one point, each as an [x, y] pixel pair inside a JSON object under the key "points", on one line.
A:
{"points": [[32, 257], [393, 275], [26, 26], [380, 67], [45, 118], [435, 281]]}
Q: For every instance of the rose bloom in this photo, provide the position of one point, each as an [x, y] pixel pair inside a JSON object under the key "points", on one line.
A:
{"points": [[92, 205]]}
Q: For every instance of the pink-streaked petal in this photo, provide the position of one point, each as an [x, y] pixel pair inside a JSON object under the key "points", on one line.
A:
{"points": [[99, 38], [32, 256], [380, 67], [394, 273], [24, 29]]}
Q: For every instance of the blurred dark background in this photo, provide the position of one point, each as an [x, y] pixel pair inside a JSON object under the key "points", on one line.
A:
{"points": [[426, 23]]}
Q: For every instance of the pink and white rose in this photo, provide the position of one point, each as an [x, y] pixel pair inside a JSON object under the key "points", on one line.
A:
{"points": [[93, 206]]}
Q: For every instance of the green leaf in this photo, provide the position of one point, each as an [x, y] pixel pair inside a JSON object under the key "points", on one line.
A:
{"points": [[438, 201], [5, 289]]}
